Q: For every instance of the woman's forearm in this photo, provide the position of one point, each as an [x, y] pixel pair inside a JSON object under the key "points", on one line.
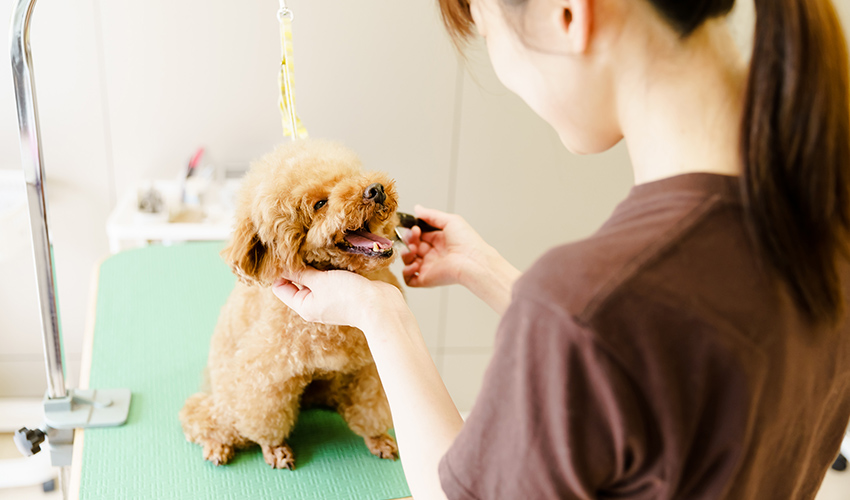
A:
{"points": [[426, 420], [490, 277]]}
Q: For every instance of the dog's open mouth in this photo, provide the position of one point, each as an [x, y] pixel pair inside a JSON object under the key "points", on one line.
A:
{"points": [[365, 243]]}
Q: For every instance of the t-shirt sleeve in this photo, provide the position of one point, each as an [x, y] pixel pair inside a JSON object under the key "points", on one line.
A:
{"points": [[556, 417]]}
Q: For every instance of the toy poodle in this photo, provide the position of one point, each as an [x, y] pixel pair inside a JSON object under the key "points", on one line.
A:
{"points": [[307, 203]]}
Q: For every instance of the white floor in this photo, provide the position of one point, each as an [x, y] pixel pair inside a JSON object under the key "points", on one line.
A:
{"points": [[836, 486], [29, 493], [9, 451]]}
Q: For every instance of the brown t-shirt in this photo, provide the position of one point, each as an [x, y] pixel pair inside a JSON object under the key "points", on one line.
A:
{"points": [[657, 359]]}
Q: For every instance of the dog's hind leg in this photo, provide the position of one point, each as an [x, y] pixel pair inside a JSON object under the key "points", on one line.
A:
{"points": [[203, 426], [363, 404]]}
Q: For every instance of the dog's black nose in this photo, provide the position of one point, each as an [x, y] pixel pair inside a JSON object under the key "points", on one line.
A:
{"points": [[375, 192]]}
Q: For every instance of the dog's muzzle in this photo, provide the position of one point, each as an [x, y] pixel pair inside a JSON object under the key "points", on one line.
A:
{"points": [[375, 192]]}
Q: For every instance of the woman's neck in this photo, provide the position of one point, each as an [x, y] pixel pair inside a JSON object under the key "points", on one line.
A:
{"points": [[680, 103]]}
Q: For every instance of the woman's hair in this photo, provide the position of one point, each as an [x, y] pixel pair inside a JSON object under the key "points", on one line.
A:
{"points": [[795, 137]]}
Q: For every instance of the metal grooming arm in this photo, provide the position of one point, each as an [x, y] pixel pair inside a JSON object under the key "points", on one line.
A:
{"points": [[31, 157], [65, 409]]}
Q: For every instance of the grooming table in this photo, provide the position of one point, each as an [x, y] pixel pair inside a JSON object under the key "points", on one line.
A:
{"points": [[151, 316]]}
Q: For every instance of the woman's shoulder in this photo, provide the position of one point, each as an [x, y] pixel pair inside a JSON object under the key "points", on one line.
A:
{"points": [[673, 236]]}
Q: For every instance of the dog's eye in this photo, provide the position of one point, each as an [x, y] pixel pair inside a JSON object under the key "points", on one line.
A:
{"points": [[320, 204]]}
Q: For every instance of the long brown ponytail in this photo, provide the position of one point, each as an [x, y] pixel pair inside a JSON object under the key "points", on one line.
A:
{"points": [[796, 149], [795, 142]]}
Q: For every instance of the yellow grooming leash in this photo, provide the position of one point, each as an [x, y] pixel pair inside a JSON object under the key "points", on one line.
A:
{"points": [[292, 126]]}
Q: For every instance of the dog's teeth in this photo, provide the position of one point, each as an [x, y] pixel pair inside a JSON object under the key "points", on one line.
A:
{"points": [[376, 247]]}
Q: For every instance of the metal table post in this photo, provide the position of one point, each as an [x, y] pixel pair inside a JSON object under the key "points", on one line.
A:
{"points": [[32, 159], [64, 409]]}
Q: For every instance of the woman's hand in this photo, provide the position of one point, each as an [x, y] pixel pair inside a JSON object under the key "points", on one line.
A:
{"points": [[440, 257], [457, 255], [338, 297]]}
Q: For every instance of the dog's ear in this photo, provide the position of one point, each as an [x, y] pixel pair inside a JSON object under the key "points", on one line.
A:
{"points": [[247, 256]]}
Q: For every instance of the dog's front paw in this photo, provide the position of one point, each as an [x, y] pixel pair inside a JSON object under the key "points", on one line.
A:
{"points": [[382, 446], [217, 453], [279, 457]]}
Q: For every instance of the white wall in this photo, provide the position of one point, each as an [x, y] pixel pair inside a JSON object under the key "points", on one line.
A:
{"points": [[128, 90]]}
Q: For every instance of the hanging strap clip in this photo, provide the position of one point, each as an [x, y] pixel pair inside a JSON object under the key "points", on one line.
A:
{"points": [[292, 126], [284, 12]]}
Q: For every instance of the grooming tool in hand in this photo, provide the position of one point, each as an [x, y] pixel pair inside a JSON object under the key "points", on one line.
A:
{"points": [[408, 221]]}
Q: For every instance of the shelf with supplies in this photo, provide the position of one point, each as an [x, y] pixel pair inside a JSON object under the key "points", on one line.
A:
{"points": [[172, 211]]}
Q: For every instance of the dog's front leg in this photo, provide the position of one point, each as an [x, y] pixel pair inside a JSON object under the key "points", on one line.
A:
{"points": [[367, 412], [266, 414]]}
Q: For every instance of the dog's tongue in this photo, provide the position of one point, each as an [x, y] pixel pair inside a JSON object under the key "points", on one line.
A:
{"points": [[362, 239]]}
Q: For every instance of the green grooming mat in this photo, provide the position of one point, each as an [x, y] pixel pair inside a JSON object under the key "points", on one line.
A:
{"points": [[156, 311]]}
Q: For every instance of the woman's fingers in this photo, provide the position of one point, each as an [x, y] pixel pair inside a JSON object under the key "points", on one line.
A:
{"points": [[415, 252], [409, 257], [417, 248], [411, 236], [285, 287], [308, 277], [410, 271], [292, 294], [295, 289], [434, 217]]}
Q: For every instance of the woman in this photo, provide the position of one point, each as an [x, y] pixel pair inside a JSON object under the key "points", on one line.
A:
{"points": [[696, 346]]}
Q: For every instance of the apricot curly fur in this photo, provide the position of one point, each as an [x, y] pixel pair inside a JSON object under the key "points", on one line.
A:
{"points": [[265, 362]]}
